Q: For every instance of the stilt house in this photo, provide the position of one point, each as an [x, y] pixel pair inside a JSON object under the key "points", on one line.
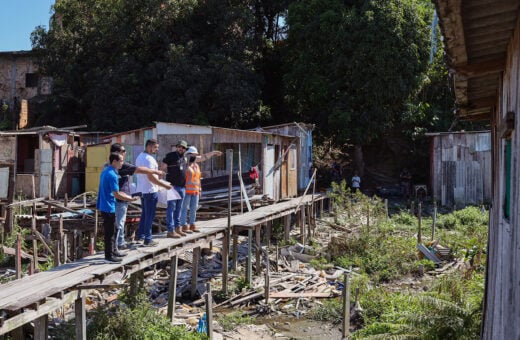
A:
{"points": [[482, 43]]}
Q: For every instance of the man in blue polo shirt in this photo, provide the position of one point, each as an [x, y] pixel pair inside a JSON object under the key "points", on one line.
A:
{"points": [[106, 203]]}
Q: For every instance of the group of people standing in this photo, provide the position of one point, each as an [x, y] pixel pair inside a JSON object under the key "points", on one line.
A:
{"points": [[182, 175]]}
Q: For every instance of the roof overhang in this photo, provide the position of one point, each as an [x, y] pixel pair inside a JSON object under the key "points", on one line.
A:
{"points": [[477, 34]]}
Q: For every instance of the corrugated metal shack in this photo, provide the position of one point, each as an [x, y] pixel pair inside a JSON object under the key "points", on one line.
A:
{"points": [[303, 132], [460, 164]]}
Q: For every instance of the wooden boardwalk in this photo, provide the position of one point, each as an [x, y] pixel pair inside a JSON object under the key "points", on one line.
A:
{"points": [[33, 297]]}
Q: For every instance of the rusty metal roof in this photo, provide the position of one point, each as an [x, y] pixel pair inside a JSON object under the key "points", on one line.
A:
{"points": [[476, 37]]}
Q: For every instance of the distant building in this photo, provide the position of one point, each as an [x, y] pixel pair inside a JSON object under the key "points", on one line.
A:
{"points": [[20, 84]]}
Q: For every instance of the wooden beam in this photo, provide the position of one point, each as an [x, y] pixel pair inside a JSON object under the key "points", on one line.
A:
{"points": [[195, 271], [450, 20], [172, 287], [81, 318], [41, 328], [30, 315], [481, 69], [102, 286]]}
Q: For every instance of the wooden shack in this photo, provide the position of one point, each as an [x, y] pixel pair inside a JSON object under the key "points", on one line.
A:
{"points": [[269, 151], [482, 43], [273, 153], [303, 134], [460, 168], [97, 154], [40, 162]]}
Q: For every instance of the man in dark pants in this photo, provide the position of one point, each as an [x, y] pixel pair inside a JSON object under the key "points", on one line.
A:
{"points": [[106, 203], [175, 164]]}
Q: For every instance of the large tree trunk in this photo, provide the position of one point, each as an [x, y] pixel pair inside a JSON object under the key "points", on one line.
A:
{"points": [[359, 164]]}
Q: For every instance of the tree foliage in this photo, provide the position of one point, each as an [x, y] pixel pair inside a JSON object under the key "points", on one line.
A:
{"points": [[121, 64], [353, 65]]}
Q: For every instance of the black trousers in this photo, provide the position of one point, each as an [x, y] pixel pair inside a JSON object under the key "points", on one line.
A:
{"points": [[109, 224]]}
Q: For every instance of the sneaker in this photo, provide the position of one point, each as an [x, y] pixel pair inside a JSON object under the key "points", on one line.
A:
{"points": [[194, 229], [172, 234], [123, 246], [114, 259], [150, 243], [180, 232]]}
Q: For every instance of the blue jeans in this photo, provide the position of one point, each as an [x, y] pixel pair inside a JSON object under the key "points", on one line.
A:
{"points": [[173, 211], [148, 205], [190, 202], [121, 208]]}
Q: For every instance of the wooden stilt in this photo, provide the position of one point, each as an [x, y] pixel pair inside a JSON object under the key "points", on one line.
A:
{"points": [[249, 266], [195, 271], [287, 227], [41, 328], [65, 248], [267, 287], [419, 219], [345, 332], [302, 225], [81, 317], [96, 221], [235, 250], [209, 310], [18, 257], [225, 261], [34, 263], [268, 232], [172, 289], [17, 333], [56, 253], [258, 249], [309, 221]]}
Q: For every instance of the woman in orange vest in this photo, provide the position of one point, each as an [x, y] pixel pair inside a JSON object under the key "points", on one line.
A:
{"points": [[193, 189]]}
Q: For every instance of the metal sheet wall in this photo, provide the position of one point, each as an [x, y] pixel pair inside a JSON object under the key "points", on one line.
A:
{"points": [[461, 171]]}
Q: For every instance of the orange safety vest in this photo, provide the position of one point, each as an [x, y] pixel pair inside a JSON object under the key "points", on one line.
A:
{"points": [[193, 179]]}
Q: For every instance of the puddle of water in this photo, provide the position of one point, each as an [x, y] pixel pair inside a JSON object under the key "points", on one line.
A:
{"points": [[305, 329]]}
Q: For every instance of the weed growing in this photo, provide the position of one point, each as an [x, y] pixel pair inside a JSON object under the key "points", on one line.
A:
{"points": [[230, 321], [384, 250]]}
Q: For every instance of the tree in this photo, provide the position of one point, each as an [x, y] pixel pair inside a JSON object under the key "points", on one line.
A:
{"points": [[354, 64], [124, 64]]}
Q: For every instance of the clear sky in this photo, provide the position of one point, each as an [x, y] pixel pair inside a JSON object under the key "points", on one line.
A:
{"points": [[18, 18]]}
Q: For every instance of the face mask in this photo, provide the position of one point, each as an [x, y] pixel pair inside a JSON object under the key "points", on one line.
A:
{"points": [[192, 159]]}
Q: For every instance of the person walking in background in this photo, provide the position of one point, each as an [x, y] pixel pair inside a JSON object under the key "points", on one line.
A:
{"points": [[125, 173], [193, 191], [148, 189], [106, 203], [355, 182]]}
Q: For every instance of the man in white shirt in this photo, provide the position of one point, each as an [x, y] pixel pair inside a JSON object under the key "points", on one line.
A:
{"points": [[149, 191]]}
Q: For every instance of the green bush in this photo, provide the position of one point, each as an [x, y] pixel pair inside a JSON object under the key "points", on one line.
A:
{"points": [[231, 320], [138, 322], [452, 309]]}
